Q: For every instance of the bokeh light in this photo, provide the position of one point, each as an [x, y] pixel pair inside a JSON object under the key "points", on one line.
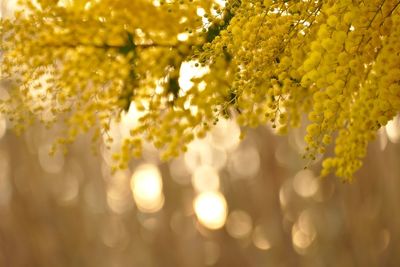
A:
{"points": [[239, 224], [260, 238], [303, 232], [50, 163], [305, 184], [146, 186], [244, 162], [205, 178], [393, 129], [119, 197], [211, 209]]}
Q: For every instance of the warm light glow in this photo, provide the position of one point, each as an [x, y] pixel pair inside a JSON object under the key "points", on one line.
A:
{"points": [[221, 3], [301, 241], [119, 198], [211, 209], [189, 71], [260, 239], [7, 7], [393, 130], [179, 173], [130, 119], [119, 130], [225, 135], [303, 233], [239, 224], [65, 3], [183, 36], [205, 178], [198, 153], [305, 184], [50, 163], [285, 194], [146, 185], [244, 162]]}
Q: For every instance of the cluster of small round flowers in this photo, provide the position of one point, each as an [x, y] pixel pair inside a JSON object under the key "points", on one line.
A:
{"points": [[267, 61], [343, 60], [326, 75], [264, 45], [82, 63], [316, 58], [377, 102]]}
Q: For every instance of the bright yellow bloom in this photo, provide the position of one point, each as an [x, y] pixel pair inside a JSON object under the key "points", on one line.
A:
{"points": [[87, 62]]}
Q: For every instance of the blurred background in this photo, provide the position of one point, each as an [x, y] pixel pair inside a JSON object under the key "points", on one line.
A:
{"points": [[223, 203]]}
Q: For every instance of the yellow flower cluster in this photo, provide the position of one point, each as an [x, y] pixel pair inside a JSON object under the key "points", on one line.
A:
{"points": [[267, 62], [84, 62], [377, 100], [265, 47], [320, 58], [348, 57]]}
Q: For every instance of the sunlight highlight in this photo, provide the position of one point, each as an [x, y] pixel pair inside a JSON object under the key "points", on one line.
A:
{"points": [[211, 209], [146, 186]]}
